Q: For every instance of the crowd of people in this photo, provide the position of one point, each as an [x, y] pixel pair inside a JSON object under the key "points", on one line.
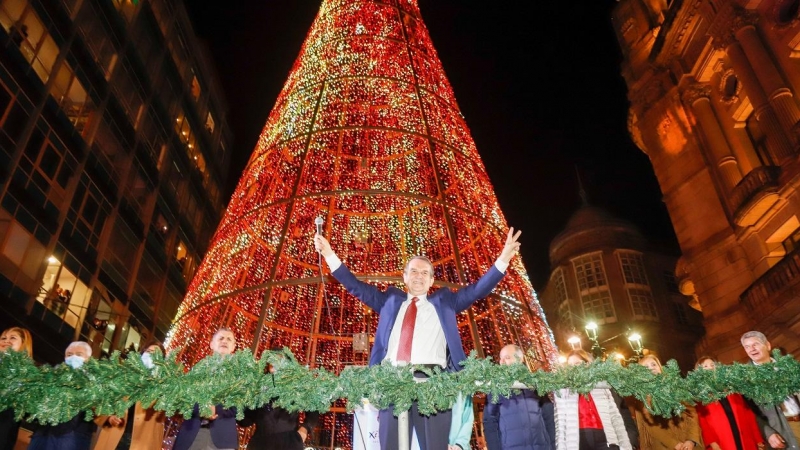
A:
{"points": [[604, 420], [143, 427], [562, 420], [419, 328]]}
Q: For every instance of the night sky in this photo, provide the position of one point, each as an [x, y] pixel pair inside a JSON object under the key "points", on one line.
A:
{"points": [[538, 83]]}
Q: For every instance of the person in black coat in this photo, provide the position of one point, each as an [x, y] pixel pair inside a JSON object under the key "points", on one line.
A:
{"points": [[75, 434], [219, 430], [277, 428], [518, 422]]}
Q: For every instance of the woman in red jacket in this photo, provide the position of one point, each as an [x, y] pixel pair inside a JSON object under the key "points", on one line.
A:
{"points": [[728, 423]]}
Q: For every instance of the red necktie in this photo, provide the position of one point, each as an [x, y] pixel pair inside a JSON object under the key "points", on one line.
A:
{"points": [[407, 332]]}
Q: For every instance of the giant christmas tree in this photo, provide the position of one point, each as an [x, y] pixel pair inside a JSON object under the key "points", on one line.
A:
{"points": [[367, 134]]}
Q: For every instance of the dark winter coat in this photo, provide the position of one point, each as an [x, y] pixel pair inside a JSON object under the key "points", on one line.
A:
{"points": [[517, 423]]}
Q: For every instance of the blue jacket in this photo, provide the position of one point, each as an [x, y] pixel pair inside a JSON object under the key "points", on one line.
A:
{"points": [[446, 302], [517, 423], [223, 429]]}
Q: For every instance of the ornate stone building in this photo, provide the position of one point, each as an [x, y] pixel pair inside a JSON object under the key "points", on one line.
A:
{"points": [[712, 86], [604, 271]]}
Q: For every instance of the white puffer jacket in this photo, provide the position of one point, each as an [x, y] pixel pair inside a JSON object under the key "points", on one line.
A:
{"points": [[567, 419]]}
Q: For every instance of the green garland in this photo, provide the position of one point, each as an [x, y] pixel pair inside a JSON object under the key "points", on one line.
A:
{"points": [[56, 394]]}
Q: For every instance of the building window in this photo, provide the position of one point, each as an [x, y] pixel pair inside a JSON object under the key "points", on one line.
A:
{"points": [[560, 292], [196, 91], [128, 91], [14, 114], [598, 306], [671, 282], [72, 97], [19, 247], [565, 315], [126, 8], [633, 268], [101, 44], [589, 271], [758, 139], [63, 293], [595, 296], [30, 35], [87, 217], [210, 123], [642, 304], [637, 286], [680, 313], [792, 242]]}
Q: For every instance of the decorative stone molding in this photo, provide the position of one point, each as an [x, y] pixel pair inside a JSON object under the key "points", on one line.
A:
{"points": [[695, 92], [724, 39], [724, 32], [784, 13], [729, 87], [743, 19]]}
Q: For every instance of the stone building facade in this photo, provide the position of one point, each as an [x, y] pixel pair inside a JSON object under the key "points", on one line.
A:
{"points": [[713, 89]]}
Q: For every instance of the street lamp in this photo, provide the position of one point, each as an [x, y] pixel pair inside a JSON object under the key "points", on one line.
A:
{"points": [[591, 333], [635, 341], [574, 341], [591, 328]]}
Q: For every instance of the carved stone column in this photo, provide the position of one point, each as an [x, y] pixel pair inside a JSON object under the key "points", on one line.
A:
{"points": [[697, 96], [778, 93], [778, 142]]}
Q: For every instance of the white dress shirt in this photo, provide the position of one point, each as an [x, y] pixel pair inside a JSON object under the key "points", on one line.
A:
{"points": [[428, 345]]}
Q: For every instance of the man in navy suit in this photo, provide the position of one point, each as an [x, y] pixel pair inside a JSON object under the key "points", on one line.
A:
{"points": [[417, 328], [218, 431]]}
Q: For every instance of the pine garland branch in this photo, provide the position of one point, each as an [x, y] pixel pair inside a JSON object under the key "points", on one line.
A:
{"points": [[56, 394]]}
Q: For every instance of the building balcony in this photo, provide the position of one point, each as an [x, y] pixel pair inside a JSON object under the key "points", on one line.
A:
{"points": [[755, 195], [776, 287]]}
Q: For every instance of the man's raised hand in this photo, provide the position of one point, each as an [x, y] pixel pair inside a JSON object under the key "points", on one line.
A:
{"points": [[511, 247], [322, 245]]}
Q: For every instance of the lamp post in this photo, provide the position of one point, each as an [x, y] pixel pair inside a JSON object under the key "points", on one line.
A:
{"points": [[574, 341], [598, 351], [635, 341], [591, 333]]}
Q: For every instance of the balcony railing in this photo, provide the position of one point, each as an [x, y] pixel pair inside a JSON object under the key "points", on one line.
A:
{"points": [[755, 194], [760, 296]]}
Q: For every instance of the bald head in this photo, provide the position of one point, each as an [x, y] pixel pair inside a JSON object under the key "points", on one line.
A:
{"points": [[511, 354]]}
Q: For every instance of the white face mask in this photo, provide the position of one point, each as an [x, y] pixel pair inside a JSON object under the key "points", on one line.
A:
{"points": [[74, 361], [147, 360]]}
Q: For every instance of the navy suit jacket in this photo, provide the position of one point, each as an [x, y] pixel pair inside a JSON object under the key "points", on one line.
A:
{"points": [[446, 302], [223, 429]]}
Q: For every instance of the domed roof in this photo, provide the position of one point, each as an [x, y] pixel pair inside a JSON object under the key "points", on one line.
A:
{"points": [[591, 228], [588, 216]]}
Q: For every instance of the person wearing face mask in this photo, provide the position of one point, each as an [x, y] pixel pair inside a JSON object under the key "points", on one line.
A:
{"points": [[680, 432], [18, 340], [140, 428], [75, 434], [218, 431]]}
